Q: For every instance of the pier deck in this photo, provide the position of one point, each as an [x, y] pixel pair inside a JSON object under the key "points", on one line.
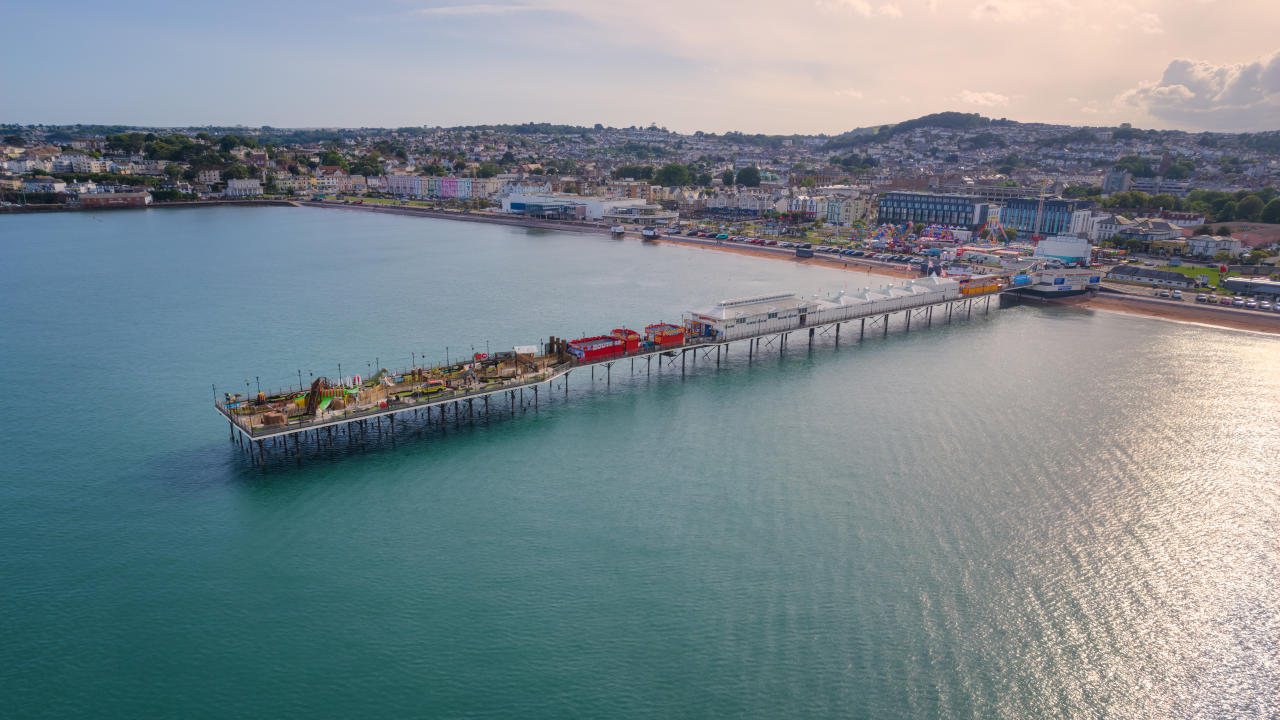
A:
{"points": [[368, 403]]}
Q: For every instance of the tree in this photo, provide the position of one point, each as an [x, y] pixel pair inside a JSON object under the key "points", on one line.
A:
{"points": [[1205, 229], [749, 177], [1271, 213], [1164, 200], [726, 177], [14, 140], [459, 165], [673, 175], [1010, 234], [235, 172], [367, 165], [508, 157], [487, 170], [1227, 213], [1224, 230], [173, 171], [704, 179], [1223, 256], [332, 157], [1249, 208]]}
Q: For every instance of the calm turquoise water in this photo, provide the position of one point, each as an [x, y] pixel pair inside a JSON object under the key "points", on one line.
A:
{"points": [[1044, 512]]}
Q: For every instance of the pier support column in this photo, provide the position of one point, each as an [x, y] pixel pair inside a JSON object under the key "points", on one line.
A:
{"points": [[232, 436], [513, 403], [949, 313], [683, 355], [929, 317], [886, 325], [837, 334], [750, 346], [535, 397], [987, 309], [908, 320], [862, 331], [486, 407], [717, 356], [969, 313], [648, 365], [811, 337], [608, 374]]}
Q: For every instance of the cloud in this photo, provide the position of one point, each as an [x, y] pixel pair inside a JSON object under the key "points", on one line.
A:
{"points": [[860, 7], [1243, 96], [982, 99], [476, 9], [852, 94], [1006, 10]]}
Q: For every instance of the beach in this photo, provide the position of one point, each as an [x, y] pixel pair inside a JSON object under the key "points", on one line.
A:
{"points": [[1185, 311]]}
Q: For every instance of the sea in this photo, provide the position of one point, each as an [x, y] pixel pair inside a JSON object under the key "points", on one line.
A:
{"points": [[1030, 511]]}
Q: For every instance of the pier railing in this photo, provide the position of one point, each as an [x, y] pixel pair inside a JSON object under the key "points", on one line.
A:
{"points": [[394, 404]]}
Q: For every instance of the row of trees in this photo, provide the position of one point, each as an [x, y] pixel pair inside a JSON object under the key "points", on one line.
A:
{"points": [[1217, 206]]}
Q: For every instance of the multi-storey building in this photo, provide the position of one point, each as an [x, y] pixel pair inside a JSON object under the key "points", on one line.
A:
{"points": [[916, 207], [1057, 217]]}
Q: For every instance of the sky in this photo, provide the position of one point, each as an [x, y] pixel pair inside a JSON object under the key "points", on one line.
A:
{"points": [[771, 66]]}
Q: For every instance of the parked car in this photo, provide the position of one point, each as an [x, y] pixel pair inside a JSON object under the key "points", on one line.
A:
{"points": [[1164, 293], [1264, 305], [1237, 302], [1202, 298], [1251, 304], [1226, 301], [1176, 294]]}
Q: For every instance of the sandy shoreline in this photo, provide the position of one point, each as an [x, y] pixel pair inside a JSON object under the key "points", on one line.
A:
{"points": [[1257, 321], [1132, 304]]}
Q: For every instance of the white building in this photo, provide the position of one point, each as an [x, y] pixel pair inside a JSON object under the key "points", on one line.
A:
{"points": [[1066, 248], [1210, 245], [243, 187]]}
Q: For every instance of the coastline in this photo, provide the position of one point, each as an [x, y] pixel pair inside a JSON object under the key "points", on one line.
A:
{"points": [[771, 252], [1133, 304], [1119, 302], [1256, 321]]}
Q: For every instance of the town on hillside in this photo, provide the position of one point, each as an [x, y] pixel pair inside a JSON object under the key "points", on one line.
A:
{"points": [[1206, 195]]}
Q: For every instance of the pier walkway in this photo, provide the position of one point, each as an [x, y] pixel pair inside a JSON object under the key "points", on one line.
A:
{"points": [[247, 429]]}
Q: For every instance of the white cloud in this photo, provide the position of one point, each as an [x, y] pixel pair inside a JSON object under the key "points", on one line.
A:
{"points": [[1007, 10], [1242, 96], [860, 7], [982, 99], [476, 9], [852, 94]]}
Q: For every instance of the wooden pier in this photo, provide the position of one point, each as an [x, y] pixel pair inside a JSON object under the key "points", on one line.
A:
{"points": [[527, 391]]}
